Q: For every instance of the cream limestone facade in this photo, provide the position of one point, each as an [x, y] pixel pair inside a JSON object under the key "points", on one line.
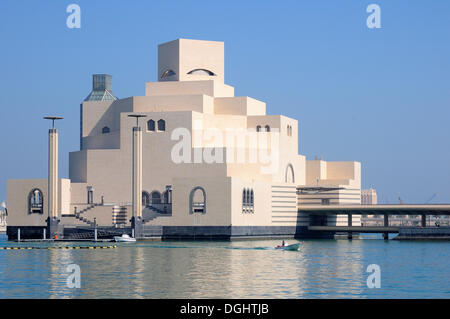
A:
{"points": [[212, 163]]}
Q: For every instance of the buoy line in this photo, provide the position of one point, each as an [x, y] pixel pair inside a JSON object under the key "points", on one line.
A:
{"points": [[58, 247]]}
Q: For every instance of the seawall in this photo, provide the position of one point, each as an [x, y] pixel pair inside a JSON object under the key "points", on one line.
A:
{"points": [[423, 233]]}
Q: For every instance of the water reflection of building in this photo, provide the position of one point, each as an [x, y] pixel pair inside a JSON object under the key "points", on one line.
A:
{"points": [[139, 270], [336, 272], [255, 272], [58, 261]]}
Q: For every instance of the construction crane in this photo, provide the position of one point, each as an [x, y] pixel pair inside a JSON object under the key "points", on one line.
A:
{"points": [[431, 198]]}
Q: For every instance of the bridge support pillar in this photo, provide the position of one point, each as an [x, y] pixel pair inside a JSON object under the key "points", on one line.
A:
{"points": [[386, 224], [424, 220], [349, 223]]}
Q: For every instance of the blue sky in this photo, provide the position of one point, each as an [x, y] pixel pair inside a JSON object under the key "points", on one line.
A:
{"points": [[379, 96]]}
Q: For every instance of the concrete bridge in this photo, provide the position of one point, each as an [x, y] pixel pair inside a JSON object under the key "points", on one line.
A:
{"points": [[380, 210]]}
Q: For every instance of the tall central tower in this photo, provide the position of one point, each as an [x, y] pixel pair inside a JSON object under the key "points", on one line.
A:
{"points": [[191, 60]]}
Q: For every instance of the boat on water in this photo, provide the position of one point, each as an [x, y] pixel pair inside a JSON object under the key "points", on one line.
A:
{"points": [[292, 247], [124, 238]]}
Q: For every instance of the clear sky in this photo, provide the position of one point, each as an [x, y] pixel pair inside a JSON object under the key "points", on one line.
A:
{"points": [[379, 96]]}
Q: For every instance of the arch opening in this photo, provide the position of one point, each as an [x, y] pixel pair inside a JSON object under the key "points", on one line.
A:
{"points": [[155, 198], [248, 200], [161, 125], [197, 200], [151, 125], [289, 175], [35, 201]]}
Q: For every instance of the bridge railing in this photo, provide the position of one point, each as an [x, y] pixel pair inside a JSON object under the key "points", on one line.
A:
{"points": [[406, 221]]}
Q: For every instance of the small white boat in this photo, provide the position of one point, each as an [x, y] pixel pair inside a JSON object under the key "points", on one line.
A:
{"points": [[292, 247], [124, 238]]}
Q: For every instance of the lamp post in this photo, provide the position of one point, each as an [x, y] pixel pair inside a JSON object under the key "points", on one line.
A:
{"points": [[95, 228], [52, 220], [136, 172]]}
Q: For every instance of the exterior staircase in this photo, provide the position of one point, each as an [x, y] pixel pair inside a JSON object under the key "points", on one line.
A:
{"points": [[150, 213], [84, 219]]}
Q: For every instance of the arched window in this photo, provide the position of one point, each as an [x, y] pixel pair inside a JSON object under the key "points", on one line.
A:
{"points": [[145, 199], [35, 201], [161, 125], [105, 130], [267, 127], [201, 72], [167, 73], [289, 175], [155, 198], [151, 125], [248, 202], [258, 128], [197, 200], [288, 130]]}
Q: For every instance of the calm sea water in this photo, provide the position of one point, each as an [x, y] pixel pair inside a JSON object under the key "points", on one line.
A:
{"points": [[238, 269]]}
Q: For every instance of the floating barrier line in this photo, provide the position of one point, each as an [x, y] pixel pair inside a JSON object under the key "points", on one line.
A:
{"points": [[59, 247]]}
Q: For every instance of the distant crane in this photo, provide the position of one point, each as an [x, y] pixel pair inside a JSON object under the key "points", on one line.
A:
{"points": [[431, 198]]}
